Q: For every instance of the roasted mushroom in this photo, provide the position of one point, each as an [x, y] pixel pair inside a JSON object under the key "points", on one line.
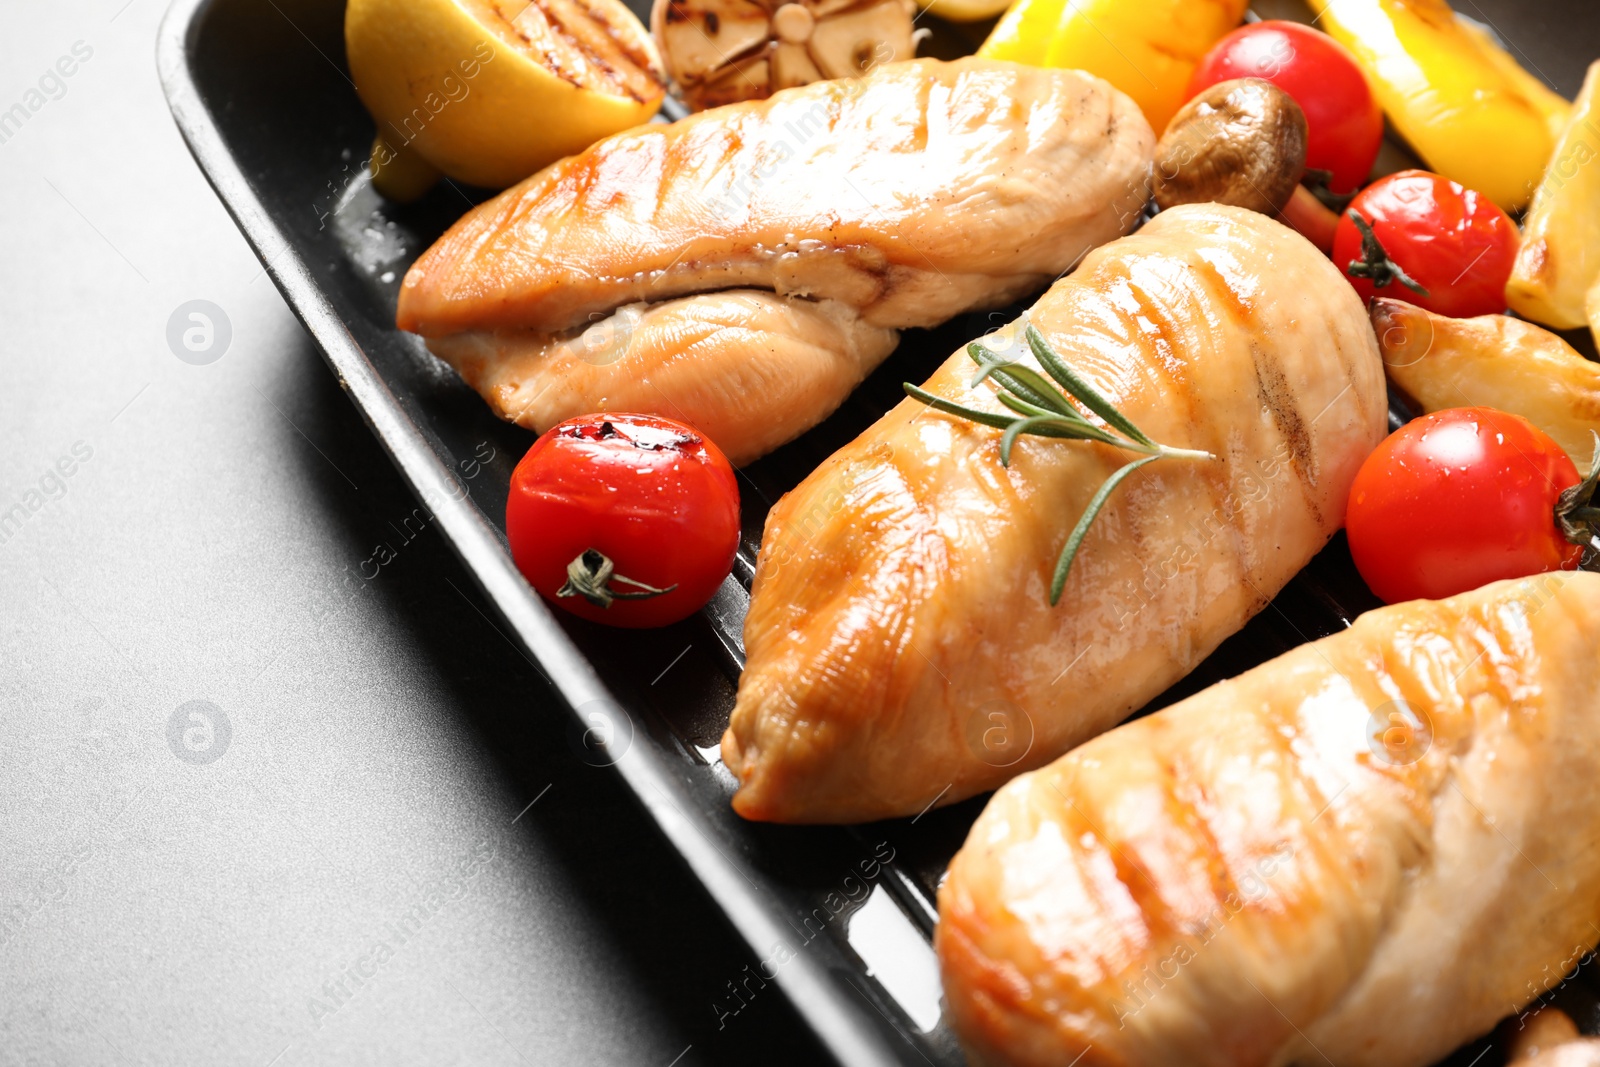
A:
{"points": [[723, 51], [1242, 142]]}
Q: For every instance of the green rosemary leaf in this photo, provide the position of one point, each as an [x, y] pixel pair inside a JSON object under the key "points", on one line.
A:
{"points": [[1074, 426], [1037, 424], [1044, 426], [1031, 386], [1045, 412], [939, 403], [1022, 407], [1070, 551], [1091, 397], [1022, 380], [986, 360]]}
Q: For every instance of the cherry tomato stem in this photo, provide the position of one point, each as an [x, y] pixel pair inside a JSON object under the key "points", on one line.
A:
{"points": [[1375, 264]]}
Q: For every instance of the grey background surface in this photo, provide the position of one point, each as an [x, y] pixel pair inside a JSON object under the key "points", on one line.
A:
{"points": [[384, 735], [166, 898]]}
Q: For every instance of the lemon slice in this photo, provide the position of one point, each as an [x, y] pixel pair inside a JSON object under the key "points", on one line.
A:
{"points": [[490, 91]]}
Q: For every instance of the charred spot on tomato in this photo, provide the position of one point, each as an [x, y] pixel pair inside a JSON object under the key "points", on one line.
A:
{"points": [[643, 436], [650, 438], [676, 442]]}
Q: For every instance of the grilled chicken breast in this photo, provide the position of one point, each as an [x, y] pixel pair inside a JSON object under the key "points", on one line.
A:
{"points": [[1363, 853], [708, 360], [901, 648], [914, 194], [744, 367]]}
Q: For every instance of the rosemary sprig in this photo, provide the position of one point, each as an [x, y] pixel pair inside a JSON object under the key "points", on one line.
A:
{"points": [[1042, 411]]}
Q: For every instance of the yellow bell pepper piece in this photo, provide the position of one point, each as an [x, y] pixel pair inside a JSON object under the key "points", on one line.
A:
{"points": [[1448, 90], [1146, 48], [1556, 109], [1560, 256]]}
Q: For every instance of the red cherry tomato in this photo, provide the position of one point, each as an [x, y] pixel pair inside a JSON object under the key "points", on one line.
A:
{"points": [[1432, 243], [1344, 124], [631, 520], [1457, 499]]}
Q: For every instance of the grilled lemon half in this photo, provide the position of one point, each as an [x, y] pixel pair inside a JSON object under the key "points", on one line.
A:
{"points": [[490, 91]]}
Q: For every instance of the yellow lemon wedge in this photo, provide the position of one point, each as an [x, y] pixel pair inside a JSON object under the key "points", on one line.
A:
{"points": [[490, 91]]}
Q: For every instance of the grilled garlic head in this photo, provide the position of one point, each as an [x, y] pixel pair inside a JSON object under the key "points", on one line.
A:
{"points": [[723, 51]]}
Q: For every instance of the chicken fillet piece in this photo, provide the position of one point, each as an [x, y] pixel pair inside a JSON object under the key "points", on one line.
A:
{"points": [[904, 198], [901, 647], [655, 358], [1362, 853]]}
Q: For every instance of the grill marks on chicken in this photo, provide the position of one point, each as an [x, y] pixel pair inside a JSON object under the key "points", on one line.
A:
{"points": [[1277, 870], [906, 197], [901, 648]]}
